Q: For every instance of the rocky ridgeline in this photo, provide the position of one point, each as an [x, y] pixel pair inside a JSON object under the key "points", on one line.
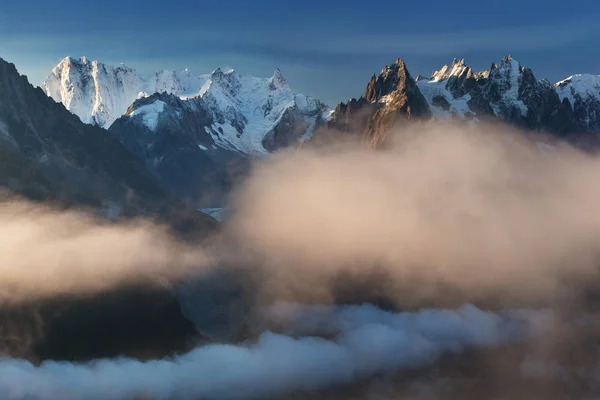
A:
{"points": [[507, 91]]}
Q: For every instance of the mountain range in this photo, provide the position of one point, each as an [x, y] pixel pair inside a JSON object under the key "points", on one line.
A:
{"points": [[507, 92], [133, 140], [107, 140], [196, 134], [233, 112], [48, 153]]}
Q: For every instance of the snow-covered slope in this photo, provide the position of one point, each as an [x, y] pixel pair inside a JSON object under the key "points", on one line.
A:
{"points": [[234, 112], [246, 110], [248, 115], [204, 141], [94, 92], [181, 83], [583, 93], [99, 94], [437, 91]]}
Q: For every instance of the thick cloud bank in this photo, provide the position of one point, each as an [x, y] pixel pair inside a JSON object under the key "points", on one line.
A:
{"points": [[366, 341], [45, 253], [476, 211]]}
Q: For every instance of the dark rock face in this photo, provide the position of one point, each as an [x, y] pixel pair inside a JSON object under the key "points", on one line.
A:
{"points": [[180, 153], [440, 101], [404, 101], [461, 84], [287, 133], [138, 321], [352, 116], [391, 97], [48, 153], [536, 106]]}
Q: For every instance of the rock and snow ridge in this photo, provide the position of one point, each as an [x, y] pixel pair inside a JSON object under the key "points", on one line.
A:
{"points": [[448, 91], [245, 110], [583, 93], [437, 91], [510, 91], [99, 94], [238, 113], [507, 91]]}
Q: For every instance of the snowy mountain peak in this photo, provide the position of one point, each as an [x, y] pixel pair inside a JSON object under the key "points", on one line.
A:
{"points": [[506, 92], [583, 93], [99, 94], [508, 66], [233, 112], [69, 60], [95, 92], [219, 73], [248, 115], [582, 84], [455, 90], [507, 77], [278, 82]]}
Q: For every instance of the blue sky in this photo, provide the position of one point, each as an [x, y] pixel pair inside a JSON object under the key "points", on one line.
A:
{"points": [[327, 49]]}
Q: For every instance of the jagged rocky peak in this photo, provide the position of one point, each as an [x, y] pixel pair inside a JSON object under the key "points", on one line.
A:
{"points": [[221, 83], [503, 89], [278, 82], [457, 77], [394, 77], [507, 90], [458, 68], [218, 74], [390, 97], [508, 73], [401, 98], [507, 66], [482, 74]]}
